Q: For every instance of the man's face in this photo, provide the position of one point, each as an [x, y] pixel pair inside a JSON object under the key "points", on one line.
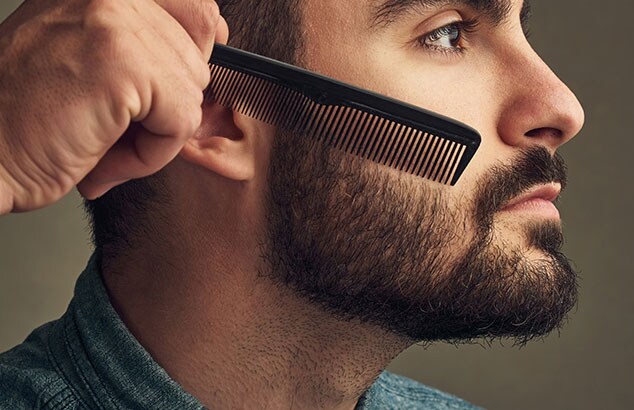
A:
{"points": [[425, 260]]}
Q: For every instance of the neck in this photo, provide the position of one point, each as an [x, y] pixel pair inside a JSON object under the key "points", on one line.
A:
{"points": [[234, 340]]}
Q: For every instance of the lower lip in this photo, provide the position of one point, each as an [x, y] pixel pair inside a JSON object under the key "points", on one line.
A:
{"points": [[537, 206]]}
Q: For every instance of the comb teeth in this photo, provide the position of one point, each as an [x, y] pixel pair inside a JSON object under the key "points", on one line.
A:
{"points": [[352, 130]]}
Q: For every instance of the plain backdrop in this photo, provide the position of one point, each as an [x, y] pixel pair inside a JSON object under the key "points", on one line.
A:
{"points": [[589, 365]]}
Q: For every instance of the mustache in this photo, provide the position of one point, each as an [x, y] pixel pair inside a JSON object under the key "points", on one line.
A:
{"points": [[534, 166]]}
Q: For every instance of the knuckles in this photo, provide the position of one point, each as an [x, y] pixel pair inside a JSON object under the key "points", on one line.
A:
{"points": [[206, 14], [194, 119], [101, 15], [119, 64], [190, 118], [105, 39]]}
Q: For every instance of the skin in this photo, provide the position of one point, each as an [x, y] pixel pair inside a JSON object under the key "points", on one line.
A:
{"points": [[518, 98], [252, 343], [105, 64]]}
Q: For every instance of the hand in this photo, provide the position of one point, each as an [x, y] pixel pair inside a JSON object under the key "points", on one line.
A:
{"points": [[75, 75]]}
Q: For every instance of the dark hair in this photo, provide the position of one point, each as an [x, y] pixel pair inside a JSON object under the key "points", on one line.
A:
{"points": [[132, 210]]}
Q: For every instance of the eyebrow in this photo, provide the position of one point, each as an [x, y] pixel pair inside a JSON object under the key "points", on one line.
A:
{"points": [[387, 12]]}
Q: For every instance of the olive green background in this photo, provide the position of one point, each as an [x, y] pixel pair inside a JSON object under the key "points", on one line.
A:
{"points": [[589, 365]]}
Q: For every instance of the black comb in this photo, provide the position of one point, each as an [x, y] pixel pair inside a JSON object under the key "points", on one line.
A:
{"points": [[360, 122]]}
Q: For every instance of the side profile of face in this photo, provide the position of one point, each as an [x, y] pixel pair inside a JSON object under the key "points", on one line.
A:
{"points": [[428, 261]]}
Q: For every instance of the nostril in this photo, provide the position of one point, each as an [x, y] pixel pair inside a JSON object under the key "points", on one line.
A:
{"points": [[545, 133]]}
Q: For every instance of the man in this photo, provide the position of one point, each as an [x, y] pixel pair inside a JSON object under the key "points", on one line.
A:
{"points": [[259, 269]]}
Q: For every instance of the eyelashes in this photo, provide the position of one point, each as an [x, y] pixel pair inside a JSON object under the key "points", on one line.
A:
{"points": [[449, 38]]}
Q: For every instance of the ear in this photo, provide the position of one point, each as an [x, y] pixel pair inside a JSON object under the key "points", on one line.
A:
{"points": [[223, 144]]}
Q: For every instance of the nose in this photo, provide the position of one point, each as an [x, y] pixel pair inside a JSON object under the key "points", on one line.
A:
{"points": [[538, 108]]}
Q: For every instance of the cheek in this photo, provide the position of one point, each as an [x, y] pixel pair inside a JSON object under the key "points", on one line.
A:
{"points": [[463, 89], [454, 91]]}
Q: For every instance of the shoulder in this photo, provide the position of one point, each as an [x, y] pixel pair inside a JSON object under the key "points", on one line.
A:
{"points": [[28, 378], [391, 391]]}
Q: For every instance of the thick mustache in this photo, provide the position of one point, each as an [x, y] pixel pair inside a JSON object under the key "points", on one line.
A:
{"points": [[534, 166]]}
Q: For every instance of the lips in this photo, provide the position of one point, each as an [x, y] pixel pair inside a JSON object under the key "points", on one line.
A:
{"points": [[547, 192]]}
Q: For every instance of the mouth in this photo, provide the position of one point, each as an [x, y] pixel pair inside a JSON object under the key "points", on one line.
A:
{"points": [[537, 200]]}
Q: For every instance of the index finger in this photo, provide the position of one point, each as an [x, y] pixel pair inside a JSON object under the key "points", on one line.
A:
{"points": [[199, 18]]}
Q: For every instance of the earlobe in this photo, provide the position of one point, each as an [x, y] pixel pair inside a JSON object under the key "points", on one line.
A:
{"points": [[223, 144]]}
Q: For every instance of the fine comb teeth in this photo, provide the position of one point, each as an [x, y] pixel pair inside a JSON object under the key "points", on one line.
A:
{"points": [[359, 122]]}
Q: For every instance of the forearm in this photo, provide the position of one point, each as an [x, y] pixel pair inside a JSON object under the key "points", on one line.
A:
{"points": [[6, 184], [6, 190]]}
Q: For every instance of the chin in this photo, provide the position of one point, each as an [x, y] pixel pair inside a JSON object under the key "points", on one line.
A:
{"points": [[533, 233]]}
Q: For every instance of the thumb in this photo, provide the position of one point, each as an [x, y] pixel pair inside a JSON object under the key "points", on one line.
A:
{"points": [[138, 154]]}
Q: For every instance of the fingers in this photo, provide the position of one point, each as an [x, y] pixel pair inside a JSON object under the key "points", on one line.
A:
{"points": [[109, 66], [199, 18], [137, 154], [170, 100], [174, 99], [222, 31]]}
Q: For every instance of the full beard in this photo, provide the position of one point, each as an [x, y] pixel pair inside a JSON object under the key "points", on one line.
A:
{"points": [[367, 243]]}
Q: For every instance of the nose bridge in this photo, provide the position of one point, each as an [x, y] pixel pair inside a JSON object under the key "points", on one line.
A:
{"points": [[526, 59], [539, 107], [538, 76]]}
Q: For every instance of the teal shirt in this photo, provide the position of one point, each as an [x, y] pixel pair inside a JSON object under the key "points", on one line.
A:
{"points": [[88, 359]]}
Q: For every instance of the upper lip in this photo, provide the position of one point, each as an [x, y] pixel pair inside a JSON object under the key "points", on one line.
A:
{"points": [[548, 192]]}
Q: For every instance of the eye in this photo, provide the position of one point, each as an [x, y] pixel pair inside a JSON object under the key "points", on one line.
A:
{"points": [[449, 37], [444, 37]]}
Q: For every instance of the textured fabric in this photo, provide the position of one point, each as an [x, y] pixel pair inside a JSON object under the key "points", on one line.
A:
{"points": [[88, 359], [393, 392]]}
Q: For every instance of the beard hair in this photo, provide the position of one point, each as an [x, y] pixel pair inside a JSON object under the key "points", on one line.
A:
{"points": [[364, 242]]}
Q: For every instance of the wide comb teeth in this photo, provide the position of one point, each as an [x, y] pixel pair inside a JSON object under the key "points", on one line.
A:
{"points": [[356, 131]]}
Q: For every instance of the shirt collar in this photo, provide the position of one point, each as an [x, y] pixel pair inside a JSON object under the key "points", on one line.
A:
{"points": [[106, 366], [101, 359]]}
